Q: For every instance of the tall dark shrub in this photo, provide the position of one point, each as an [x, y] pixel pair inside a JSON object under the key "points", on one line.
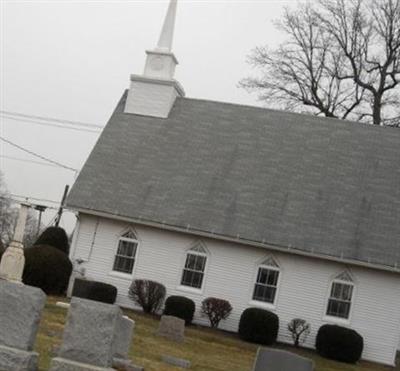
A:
{"points": [[339, 343], [2, 249], [47, 268], [148, 294], [181, 307], [216, 310], [259, 326], [56, 237], [93, 290]]}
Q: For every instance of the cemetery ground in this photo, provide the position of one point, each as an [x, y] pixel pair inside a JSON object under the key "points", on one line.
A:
{"points": [[207, 349]]}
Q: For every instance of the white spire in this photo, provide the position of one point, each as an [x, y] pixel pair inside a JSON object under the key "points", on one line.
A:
{"points": [[167, 32], [154, 92]]}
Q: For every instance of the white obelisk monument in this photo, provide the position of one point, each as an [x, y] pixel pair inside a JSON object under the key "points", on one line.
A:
{"points": [[13, 260]]}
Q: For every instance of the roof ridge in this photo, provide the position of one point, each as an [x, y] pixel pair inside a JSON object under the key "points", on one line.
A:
{"points": [[313, 117]]}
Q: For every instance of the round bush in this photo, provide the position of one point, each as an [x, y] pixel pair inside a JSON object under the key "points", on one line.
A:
{"points": [[258, 326], [339, 343], [47, 268], [181, 307], [56, 237], [94, 290]]}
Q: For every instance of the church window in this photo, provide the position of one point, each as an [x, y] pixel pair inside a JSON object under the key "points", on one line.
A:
{"points": [[126, 253], [267, 280], [195, 264], [341, 295]]}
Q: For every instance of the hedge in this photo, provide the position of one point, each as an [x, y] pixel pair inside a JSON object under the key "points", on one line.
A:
{"points": [[339, 343], [47, 268], [56, 237], [181, 307], [259, 326], [93, 290]]}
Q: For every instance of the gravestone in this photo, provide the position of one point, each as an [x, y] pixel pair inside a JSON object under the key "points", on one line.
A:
{"points": [[123, 337], [20, 311], [20, 306], [172, 328], [279, 360], [89, 337]]}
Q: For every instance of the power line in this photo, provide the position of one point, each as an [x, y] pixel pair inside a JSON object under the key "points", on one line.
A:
{"points": [[16, 200], [52, 119], [55, 125], [35, 198], [27, 160], [37, 155]]}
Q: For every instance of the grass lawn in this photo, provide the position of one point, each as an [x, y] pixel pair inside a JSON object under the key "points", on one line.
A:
{"points": [[205, 348]]}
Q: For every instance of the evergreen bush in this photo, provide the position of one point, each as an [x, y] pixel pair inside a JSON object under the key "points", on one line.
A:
{"points": [[56, 237], [259, 326], [2, 249], [181, 307], [93, 290], [47, 268], [339, 343]]}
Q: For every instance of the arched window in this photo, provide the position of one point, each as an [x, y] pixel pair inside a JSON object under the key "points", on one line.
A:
{"points": [[267, 280], [341, 296], [195, 265], [126, 253]]}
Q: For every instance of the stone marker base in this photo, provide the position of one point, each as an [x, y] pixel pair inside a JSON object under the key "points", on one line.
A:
{"points": [[126, 365], [174, 361], [15, 359], [62, 364]]}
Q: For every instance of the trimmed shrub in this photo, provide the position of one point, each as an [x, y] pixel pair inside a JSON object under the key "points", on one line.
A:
{"points": [[56, 237], [93, 290], [216, 310], [339, 343], [258, 326], [47, 268], [181, 307], [148, 294], [2, 249]]}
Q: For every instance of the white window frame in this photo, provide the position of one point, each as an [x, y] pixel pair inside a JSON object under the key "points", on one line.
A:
{"points": [[271, 264], [350, 282], [194, 250], [135, 240]]}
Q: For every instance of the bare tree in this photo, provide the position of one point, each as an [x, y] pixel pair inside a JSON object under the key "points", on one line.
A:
{"points": [[341, 59], [8, 218], [7, 215], [216, 310], [299, 329], [148, 294]]}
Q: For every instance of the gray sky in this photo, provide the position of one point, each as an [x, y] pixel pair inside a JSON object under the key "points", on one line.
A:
{"points": [[72, 60]]}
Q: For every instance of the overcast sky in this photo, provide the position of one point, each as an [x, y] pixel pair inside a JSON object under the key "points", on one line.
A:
{"points": [[72, 60]]}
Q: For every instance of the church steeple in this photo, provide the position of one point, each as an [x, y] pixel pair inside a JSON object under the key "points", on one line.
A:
{"points": [[154, 92], [167, 32]]}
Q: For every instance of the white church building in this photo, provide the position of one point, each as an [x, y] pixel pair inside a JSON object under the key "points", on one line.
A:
{"points": [[289, 212]]}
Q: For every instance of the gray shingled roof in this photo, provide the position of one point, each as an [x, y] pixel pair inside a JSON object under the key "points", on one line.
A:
{"points": [[318, 185]]}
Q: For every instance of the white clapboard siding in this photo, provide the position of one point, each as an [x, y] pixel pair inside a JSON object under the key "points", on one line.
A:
{"points": [[230, 273]]}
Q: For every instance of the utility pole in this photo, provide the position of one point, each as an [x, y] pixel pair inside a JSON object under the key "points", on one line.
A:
{"points": [[39, 208], [60, 210]]}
